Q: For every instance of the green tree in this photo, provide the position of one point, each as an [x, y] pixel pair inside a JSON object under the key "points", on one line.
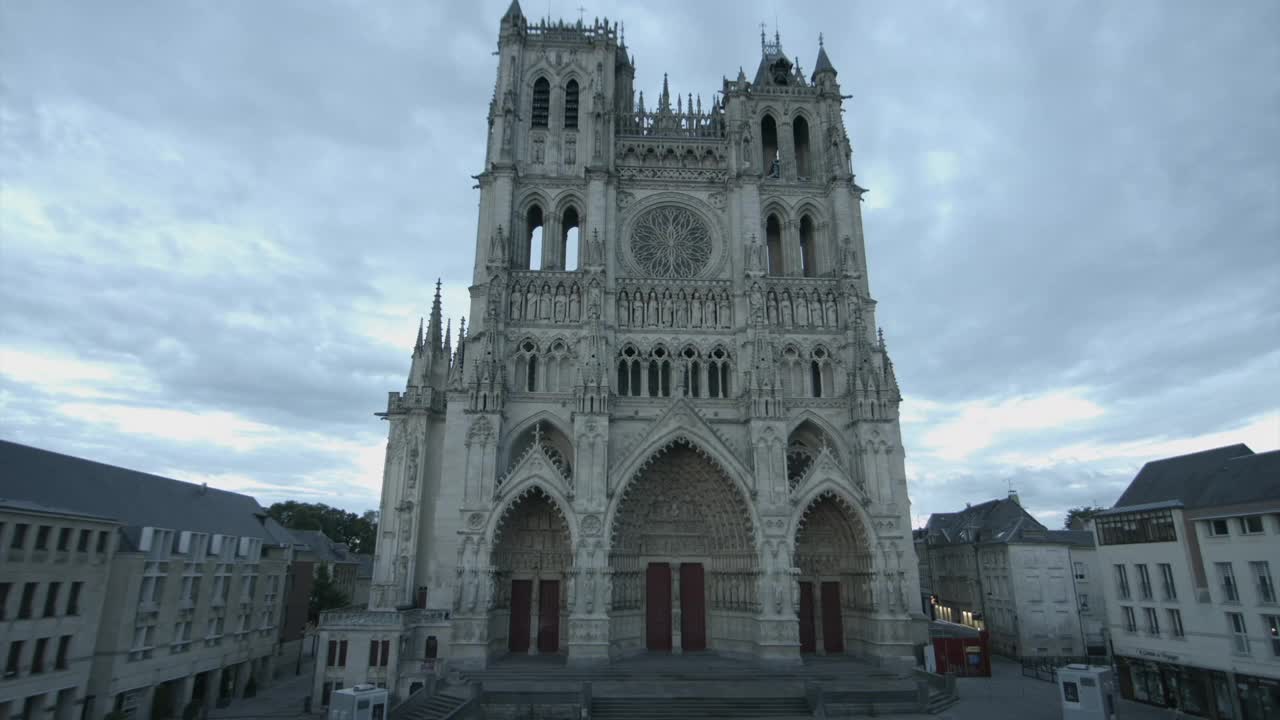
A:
{"points": [[1082, 513], [359, 532], [325, 594]]}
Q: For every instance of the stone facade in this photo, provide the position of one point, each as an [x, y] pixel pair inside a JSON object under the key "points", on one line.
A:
{"points": [[671, 423]]}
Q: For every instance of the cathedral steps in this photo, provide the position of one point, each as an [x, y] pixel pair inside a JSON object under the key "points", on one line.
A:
{"points": [[438, 706], [651, 708]]}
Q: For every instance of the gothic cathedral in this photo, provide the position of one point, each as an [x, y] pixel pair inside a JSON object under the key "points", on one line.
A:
{"points": [[672, 425]]}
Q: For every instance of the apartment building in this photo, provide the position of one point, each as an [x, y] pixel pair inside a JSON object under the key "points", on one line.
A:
{"points": [[1191, 550], [993, 566], [54, 564], [187, 590]]}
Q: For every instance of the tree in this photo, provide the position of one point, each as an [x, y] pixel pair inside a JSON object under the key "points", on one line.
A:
{"points": [[1082, 513], [325, 594], [359, 532]]}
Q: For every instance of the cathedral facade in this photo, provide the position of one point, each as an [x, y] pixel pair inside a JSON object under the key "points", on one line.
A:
{"points": [[671, 425]]}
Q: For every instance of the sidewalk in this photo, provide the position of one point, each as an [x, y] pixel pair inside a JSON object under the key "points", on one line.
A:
{"points": [[282, 699]]}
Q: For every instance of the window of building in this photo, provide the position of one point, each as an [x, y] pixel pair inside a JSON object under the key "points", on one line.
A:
{"points": [[571, 105], [1122, 582], [1219, 527], [1251, 525], [718, 374], [1239, 634], [1153, 621], [15, 658], [541, 102], [569, 239], [51, 599], [808, 251], [37, 656], [1227, 580], [800, 136], [4, 600], [1272, 624], [1166, 581], [533, 237], [82, 544], [1261, 571], [42, 537], [60, 659], [629, 372], [28, 599], [1084, 600], [773, 244], [19, 538], [102, 541], [1175, 623], [1136, 527], [64, 539], [769, 145], [1130, 620], [73, 598], [1144, 581], [1081, 571], [337, 656]]}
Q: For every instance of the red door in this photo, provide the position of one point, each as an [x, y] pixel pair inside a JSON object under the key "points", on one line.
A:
{"points": [[521, 606], [693, 609], [549, 616], [657, 614], [808, 636], [832, 623]]}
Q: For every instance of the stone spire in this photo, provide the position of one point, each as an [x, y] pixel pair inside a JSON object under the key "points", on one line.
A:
{"points": [[513, 11], [823, 65], [433, 327], [420, 363], [664, 103]]}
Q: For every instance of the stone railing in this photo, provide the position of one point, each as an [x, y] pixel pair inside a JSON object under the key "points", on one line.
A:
{"points": [[669, 124]]}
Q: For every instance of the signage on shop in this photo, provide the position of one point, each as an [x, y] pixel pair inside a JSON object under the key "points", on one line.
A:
{"points": [[1158, 654]]}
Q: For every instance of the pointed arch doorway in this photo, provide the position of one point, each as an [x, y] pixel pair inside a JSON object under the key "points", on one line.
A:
{"points": [[531, 561], [683, 559], [834, 560]]}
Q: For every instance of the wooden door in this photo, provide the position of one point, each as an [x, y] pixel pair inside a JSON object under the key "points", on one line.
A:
{"points": [[693, 608], [808, 636], [657, 611], [549, 616], [832, 622], [521, 606]]}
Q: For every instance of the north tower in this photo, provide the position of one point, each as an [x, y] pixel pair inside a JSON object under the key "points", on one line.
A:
{"points": [[672, 424]]}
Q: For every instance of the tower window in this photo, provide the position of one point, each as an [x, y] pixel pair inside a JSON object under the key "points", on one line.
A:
{"points": [[808, 264], [571, 105], [533, 238], [800, 135], [773, 244], [769, 142], [815, 370], [569, 242], [541, 102]]}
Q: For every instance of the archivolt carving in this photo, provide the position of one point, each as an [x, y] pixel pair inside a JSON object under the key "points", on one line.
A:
{"points": [[532, 530], [831, 541]]}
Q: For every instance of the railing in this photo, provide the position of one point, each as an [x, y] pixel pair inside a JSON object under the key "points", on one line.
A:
{"points": [[1045, 667], [666, 123]]}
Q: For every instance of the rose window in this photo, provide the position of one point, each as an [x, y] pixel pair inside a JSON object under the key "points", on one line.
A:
{"points": [[671, 242]]}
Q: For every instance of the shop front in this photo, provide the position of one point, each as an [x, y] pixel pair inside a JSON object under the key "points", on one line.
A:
{"points": [[1194, 691]]}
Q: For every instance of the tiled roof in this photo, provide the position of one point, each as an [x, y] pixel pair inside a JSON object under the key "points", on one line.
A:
{"points": [[136, 499], [1222, 476], [1001, 521]]}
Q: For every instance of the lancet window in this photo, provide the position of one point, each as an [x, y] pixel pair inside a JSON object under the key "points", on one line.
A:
{"points": [[800, 137], [569, 235], [808, 252], [541, 102], [708, 376], [811, 375], [773, 243], [769, 142], [533, 238], [526, 366], [571, 105]]}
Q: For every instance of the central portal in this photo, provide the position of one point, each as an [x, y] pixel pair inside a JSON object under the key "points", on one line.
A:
{"points": [[683, 560]]}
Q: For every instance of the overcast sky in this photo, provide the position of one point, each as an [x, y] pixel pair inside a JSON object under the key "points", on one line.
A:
{"points": [[220, 221]]}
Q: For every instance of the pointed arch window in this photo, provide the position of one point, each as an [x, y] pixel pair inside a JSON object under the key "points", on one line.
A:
{"points": [[541, 102], [692, 373], [569, 239], [629, 373], [571, 105], [718, 374], [526, 366], [557, 368], [773, 243], [808, 254], [769, 143], [533, 238], [800, 137]]}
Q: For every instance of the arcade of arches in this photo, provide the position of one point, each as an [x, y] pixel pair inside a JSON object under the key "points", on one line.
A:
{"points": [[683, 569]]}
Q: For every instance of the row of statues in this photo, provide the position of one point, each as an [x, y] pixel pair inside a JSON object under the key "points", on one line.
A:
{"points": [[795, 308], [674, 308]]}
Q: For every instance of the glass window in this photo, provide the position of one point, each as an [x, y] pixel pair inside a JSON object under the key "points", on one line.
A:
{"points": [[1239, 635], [1130, 620], [1070, 692], [1261, 572], [1251, 525], [1153, 621], [1167, 584], [19, 538], [1144, 581], [1227, 579], [1175, 623], [1219, 527], [1136, 527], [1122, 582], [1272, 624]]}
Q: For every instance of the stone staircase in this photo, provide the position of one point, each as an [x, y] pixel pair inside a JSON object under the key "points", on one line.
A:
{"points": [[650, 708], [436, 707]]}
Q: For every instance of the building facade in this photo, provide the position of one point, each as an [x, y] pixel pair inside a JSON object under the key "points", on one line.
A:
{"points": [[1190, 551], [171, 593], [993, 566], [672, 424], [54, 565]]}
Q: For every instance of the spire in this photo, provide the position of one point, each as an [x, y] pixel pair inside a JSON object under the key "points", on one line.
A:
{"points": [[513, 11], [417, 346], [665, 102], [823, 63], [433, 327], [448, 336]]}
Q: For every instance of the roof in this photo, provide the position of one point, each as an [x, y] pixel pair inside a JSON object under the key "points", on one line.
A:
{"points": [[998, 521], [134, 498], [324, 548], [823, 64], [1204, 479]]}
